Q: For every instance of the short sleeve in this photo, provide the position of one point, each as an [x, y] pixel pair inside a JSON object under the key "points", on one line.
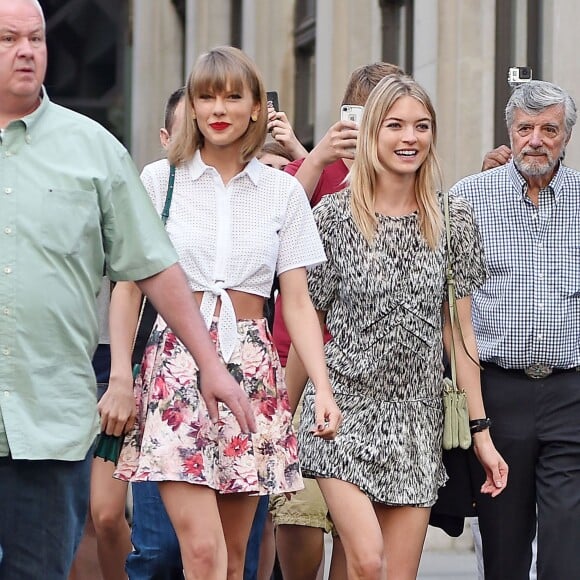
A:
{"points": [[466, 248], [300, 244], [136, 244], [323, 279]]}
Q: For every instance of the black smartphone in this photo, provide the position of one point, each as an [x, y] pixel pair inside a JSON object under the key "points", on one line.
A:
{"points": [[272, 97]]}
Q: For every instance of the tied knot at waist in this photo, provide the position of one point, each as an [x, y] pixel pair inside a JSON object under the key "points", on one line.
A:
{"points": [[226, 324]]}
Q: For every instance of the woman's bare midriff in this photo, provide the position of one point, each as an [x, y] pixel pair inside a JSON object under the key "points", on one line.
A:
{"points": [[246, 306]]}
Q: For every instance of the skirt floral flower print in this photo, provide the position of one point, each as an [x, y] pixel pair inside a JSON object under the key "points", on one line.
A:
{"points": [[175, 440]]}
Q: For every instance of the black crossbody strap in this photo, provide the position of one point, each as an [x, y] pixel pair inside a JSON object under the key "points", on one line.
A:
{"points": [[169, 195], [164, 217]]}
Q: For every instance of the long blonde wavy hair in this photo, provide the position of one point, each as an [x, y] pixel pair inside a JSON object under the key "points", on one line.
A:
{"points": [[366, 166]]}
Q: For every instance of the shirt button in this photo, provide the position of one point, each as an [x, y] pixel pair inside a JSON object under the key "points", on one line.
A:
{"points": [[7, 270], [6, 311], [6, 351], [540, 336], [7, 190], [8, 230], [6, 394]]}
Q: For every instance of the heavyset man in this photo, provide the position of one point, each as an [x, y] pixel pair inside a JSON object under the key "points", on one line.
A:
{"points": [[70, 202]]}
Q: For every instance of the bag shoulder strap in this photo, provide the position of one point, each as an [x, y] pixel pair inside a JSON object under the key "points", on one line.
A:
{"points": [[449, 275], [164, 218], [450, 289], [168, 195]]}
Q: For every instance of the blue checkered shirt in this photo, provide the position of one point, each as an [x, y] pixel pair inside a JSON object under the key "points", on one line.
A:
{"points": [[528, 310]]}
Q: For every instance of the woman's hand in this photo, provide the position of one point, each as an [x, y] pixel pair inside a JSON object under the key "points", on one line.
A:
{"points": [[327, 415], [117, 406], [496, 469]]}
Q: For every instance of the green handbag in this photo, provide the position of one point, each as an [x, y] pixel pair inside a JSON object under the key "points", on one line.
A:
{"points": [[456, 431]]}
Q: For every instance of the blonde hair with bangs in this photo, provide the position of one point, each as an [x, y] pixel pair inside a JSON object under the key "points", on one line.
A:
{"points": [[222, 68], [366, 166]]}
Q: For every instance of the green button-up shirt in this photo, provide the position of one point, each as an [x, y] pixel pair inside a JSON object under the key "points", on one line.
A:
{"points": [[71, 201]]}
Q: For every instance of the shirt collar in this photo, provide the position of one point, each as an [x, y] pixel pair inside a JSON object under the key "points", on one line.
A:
{"points": [[197, 168], [521, 185], [31, 120]]}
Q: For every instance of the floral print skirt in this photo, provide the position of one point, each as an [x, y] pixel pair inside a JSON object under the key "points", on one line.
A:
{"points": [[175, 440]]}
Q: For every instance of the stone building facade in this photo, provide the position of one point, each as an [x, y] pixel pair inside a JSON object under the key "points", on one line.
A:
{"points": [[460, 50]]}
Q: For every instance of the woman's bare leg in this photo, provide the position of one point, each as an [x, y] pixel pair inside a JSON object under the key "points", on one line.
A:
{"points": [[267, 550], [338, 561], [237, 512], [404, 530], [194, 514], [300, 551], [355, 519], [108, 498]]}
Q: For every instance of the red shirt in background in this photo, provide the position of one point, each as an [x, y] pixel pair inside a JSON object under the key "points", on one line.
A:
{"points": [[331, 180]]}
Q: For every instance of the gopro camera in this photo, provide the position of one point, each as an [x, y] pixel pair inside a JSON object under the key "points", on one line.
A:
{"points": [[518, 75]]}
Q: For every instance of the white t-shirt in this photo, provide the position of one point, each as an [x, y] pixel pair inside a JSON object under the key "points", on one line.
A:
{"points": [[234, 236]]}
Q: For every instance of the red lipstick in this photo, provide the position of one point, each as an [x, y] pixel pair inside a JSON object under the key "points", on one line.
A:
{"points": [[219, 126]]}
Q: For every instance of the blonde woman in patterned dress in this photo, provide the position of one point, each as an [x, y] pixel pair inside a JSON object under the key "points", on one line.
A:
{"points": [[382, 293], [234, 223]]}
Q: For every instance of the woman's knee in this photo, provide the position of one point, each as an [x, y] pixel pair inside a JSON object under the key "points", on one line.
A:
{"points": [[236, 554], [108, 519], [368, 566], [205, 552]]}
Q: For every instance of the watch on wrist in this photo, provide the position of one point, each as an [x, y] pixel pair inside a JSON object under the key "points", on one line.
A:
{"points": [[478, 425]]}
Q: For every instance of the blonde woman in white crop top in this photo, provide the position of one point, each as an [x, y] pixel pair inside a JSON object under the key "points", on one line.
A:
{"points": [[235, 223]]}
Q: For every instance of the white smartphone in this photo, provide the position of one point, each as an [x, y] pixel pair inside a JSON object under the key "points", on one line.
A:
{"points": [[351, 113]]}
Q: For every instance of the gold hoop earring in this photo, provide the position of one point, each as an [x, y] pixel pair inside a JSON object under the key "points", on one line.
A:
{"points": [[254, 117]]}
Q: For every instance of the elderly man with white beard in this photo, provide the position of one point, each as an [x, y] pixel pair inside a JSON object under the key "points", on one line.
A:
{"points": [[527, 323]]}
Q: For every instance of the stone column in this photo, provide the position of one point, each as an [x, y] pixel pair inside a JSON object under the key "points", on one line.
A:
{"points": [[465, 85], [157, 71], [268, 36], [348, 35], [207, 25], [560, 63]]}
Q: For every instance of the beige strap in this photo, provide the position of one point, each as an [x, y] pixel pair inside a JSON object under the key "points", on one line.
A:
{"points": [[453, 316]]}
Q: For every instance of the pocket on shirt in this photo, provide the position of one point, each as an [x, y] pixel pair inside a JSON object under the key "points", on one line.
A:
{"points": [[68, 217], [570, 276]]}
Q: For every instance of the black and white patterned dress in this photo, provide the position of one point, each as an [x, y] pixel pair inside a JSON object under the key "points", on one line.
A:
{"points": [[385, 355]]}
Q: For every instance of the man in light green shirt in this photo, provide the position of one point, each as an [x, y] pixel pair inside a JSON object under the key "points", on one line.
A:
{"points": [[71, 202]]}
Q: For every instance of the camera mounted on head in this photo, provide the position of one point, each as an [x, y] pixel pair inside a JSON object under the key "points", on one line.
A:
{"points": [[517, 75]]}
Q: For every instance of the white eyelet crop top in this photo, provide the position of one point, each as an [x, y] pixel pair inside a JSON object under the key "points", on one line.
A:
{"points": [[234, 236]]}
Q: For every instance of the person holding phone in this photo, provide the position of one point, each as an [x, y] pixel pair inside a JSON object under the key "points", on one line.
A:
{"points": [[281, 130]]}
